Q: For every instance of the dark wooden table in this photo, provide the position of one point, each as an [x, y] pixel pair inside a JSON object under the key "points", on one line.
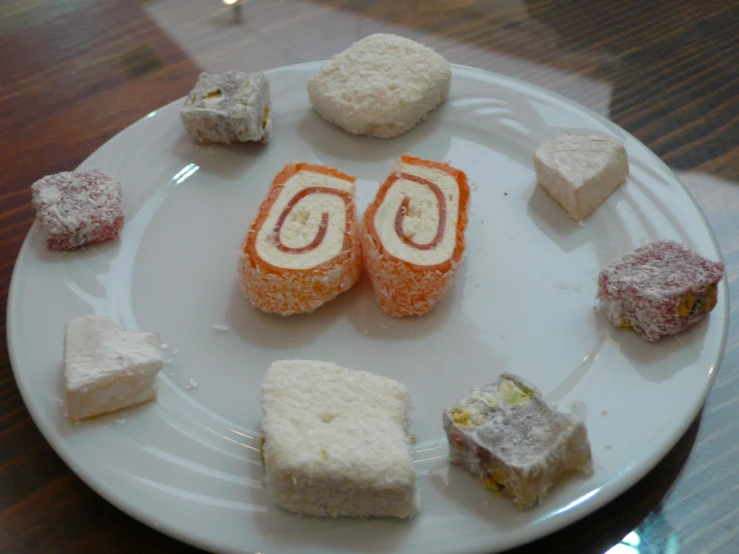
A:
{"points": [[75, 73]]}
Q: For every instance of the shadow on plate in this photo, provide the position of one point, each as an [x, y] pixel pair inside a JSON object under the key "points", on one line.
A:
{"points": [[97, 255], [228, 161], [659, 361], [548, 216], [279, 332], [336, 144], [610, 240], [595, 533], [601, 530], [581, 371], [368, 318], [337, 534], [464, 489], [86, 269]]}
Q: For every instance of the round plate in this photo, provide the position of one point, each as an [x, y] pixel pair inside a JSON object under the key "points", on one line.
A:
{"points": [[523, 301]]}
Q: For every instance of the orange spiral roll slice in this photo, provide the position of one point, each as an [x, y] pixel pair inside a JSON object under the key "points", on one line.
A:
{"points": [[302, 249], [414, 235]]}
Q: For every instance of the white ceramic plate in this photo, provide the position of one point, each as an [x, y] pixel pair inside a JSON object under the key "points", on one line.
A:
{"points": [[188, 464]]}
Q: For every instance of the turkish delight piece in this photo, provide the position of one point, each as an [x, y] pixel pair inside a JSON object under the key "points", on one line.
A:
{"points": [[505, 434], [335, 441], [303, 248], [413, 240], [76, 208], [381, 86], [580, 171], [660, 289], [107, 368], [229, 107]]}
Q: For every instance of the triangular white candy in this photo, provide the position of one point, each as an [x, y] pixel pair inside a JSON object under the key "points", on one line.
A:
{"points": [[580, 171], [107, 368]]}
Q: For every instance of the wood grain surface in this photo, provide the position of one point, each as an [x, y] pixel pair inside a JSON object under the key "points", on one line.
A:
{"points": [[77, 72]]}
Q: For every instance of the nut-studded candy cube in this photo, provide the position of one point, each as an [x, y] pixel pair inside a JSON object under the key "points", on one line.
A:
{"points": [[229, 107], [660, 289], [505, 434], [78, 208]]}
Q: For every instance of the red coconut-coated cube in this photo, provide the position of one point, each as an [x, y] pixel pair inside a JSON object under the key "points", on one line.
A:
{"points": [[76, 208], [660, 289]]}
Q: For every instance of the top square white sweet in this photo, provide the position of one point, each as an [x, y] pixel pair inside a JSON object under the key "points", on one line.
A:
{"points": [[381, 86], [581, 171]]}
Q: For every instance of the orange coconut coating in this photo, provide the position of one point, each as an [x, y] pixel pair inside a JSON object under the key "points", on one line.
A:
{"points": [[288, 291], [401, 287]]}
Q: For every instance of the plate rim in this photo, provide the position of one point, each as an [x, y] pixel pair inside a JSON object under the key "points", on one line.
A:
{"points": [[566, 516]]}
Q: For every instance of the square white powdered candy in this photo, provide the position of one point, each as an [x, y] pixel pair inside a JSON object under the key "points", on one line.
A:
{"points": [[336, 441], [107, 368], [381, 86], [581, 171]]}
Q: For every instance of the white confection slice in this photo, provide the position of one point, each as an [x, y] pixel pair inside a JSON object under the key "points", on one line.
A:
{"points": [[581, 171], [381, 86], [302, 224], [107, 368], [336, 441]]}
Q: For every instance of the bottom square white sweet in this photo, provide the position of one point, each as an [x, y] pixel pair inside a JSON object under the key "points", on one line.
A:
{"points": [[336, 441]]}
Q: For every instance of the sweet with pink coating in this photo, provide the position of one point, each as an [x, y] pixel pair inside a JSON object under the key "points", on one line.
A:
{"points": [[660, 289], [77, 208]]}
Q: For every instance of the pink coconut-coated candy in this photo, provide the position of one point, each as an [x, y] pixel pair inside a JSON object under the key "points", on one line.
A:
{"points": [[660, 289], [76, 208]]}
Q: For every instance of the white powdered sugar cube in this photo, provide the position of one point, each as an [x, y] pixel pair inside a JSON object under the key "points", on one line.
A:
{"points": [[381, 86], [229, 107], [107, 368], [336, 441], [581, 171]]}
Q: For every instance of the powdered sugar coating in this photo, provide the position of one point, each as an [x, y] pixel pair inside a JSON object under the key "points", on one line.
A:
{"points": [[229, 107], [402, 287], [645, 289], [381, 86], [287, 291], [505, 434], [296, 292], [336, 441], [581, 171], [78, 208], [107, 368]]}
